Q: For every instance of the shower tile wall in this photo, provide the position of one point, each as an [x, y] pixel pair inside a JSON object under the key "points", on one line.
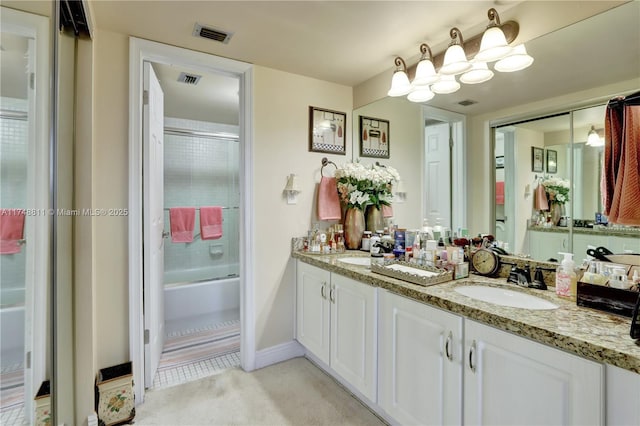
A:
{"points": [[202, 172], [13, 193]]}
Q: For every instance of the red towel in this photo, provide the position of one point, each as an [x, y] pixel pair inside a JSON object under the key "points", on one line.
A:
{"points": [[541, 202], [613, 137], [11, 230], [499, 192], [182, 221], [210, 223], [625, 207], [387, 211], [328, 200]]}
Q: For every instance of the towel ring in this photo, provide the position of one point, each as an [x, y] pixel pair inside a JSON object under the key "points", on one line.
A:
{"points": [[326, 162]]}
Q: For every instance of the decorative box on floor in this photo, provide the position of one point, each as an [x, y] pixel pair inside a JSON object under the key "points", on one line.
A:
{"points": [[43, 405], [115, 402]]}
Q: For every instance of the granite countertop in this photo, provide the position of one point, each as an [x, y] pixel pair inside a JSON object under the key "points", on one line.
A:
{"points": [[598, 230], [585, 332]]}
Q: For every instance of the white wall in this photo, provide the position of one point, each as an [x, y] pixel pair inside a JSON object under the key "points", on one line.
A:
{"points": [[524, 185], [281, 128], [405, 152]]}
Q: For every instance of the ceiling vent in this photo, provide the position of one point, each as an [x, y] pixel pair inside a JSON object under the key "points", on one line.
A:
{"points": [[190, 79], [212, 33], [467, 102]]}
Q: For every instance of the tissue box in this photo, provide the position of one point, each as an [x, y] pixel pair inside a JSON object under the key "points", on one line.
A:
{"points": [[608, 299]]}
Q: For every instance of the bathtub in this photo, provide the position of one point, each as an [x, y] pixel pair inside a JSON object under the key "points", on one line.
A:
{"points": [[189, 295], [12, 335]]}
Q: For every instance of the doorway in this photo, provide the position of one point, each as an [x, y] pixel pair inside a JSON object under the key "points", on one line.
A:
{"points": [[194, 319], [239, 144], [444, 171]]}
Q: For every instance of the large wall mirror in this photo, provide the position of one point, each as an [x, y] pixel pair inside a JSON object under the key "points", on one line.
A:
{"points": [[25, 280], [560, 136], [548, 195]]}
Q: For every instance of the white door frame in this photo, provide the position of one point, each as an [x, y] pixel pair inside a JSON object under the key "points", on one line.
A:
{"points": [[144, 50], [458, 163]]}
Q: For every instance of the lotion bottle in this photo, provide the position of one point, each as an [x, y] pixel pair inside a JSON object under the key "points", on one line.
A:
{"points": [[566, 277]]}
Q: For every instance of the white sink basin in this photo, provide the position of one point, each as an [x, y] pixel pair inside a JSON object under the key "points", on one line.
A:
{"points": [[505, 297], [359, 261]]}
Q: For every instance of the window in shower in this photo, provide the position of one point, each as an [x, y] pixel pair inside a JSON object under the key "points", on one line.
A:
{"points": [[201, 168]]}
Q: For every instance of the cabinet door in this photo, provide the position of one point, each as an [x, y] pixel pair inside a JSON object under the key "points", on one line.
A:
{"points": [[623, 388], [545, 245], [619, 245], [353, 333], [510, 380], [312, 304], [420, 367]]}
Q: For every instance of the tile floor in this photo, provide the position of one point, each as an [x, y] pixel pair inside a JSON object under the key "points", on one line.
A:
{"points": [[196, 370]]}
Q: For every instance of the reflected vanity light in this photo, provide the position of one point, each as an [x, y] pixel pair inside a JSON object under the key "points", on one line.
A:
{"points": [[292, 189], [492, 45], [594, 139], [517, 60]]}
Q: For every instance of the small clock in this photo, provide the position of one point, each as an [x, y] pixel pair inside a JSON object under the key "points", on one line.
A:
{"points": [[485, 262]]}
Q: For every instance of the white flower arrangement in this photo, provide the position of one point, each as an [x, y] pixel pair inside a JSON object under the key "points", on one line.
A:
{"points": [[360, 186], [557, 189]]}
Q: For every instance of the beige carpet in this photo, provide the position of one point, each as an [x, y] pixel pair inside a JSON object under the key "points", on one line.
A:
{"points": [[294, 392]]}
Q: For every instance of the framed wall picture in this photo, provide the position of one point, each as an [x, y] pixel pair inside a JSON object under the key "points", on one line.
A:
{"points": [[327, 131], [537, 159], [374, 137], [552, 161], [500, 162]]}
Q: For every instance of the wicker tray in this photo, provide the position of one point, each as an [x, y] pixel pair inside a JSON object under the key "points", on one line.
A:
{"points": [[416, 274]]}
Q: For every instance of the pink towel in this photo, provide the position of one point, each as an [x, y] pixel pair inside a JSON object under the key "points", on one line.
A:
{"points": [[11, 230], [499, 192], [613, 137], [182, 221], [387, 211], [625, 206], [328, 200], [541, 202], [210, 223]]}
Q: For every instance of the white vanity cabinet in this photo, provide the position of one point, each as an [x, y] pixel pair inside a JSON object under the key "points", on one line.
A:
{"points": [[420, 362], [513, 380], [623, 394], [337, 323]]}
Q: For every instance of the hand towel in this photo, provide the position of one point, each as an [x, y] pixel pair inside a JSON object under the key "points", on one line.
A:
{"points": [[625, 206], [11, 230], [210, 223], [613, 137], [387, 211], [541, 202], [499, 192], [182, 221], [328, 204]]}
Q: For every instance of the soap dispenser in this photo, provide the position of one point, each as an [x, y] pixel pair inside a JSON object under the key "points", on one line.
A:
{"points": [[566, 277]]}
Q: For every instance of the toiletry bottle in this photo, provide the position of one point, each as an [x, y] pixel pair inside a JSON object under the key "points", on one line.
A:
{"points": [[566, 278]]}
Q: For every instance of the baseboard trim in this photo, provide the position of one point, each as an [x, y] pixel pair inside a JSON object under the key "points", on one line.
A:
{"points": [[279, 353]]}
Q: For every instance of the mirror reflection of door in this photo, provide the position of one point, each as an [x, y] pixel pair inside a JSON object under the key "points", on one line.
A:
{"points": [[24, 134], [438, 172]]}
